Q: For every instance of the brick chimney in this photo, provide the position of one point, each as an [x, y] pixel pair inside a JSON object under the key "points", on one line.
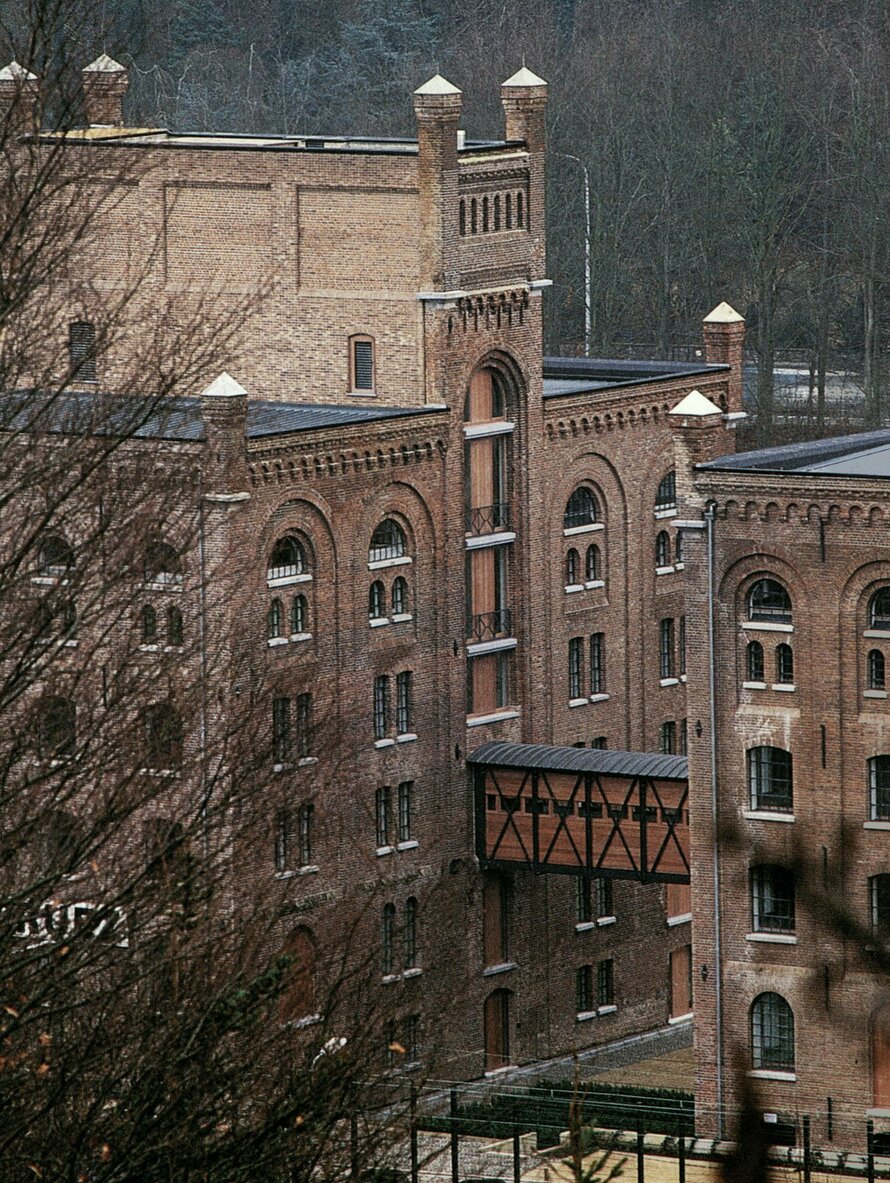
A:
{"points": [[699, 435], [105, 83], [19, 96], [437, 106], [724, 334], [524, 99], [224, 411]]}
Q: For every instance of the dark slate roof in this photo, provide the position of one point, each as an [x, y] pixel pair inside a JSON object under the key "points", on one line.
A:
{"points": [[574, 375], [866, 454], [565, 759], [177, 419]]}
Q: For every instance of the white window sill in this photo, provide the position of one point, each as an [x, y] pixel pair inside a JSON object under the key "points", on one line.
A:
{"points": [[401, 617], [679, 566], [481, 431], [361, 393], [772, 938], [414, 972], [499, 1071], [500, 538], [769, 1074], [585, 926], [676, 1019], [149, 648], [765, 815], [307, 1021], [683, 679], [166, 649], [881, 633], [388, 979], [406, 737], [668, 681], [382, 564], [578, 702], [491, 971], [574, 587], [382, 850], [754, 685], [287, 580], [661, 514], [411, 844], [769, 626], [72, 644], [590, 583], [604, 921], [876, 825], [590, 529], [54, 580], [611, 1009], [162, 587], [874, 694], [307, 761], [378, 621], [599, 698], [297, 871], [298, 638], [877, 1113], [685, 918], [384, 743], [785, 687], [477, 648], [584, 1015], [272, 643], [495, 717], [664, 571]]}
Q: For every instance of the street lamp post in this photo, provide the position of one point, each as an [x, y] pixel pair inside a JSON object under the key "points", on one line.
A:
{"points": [[588, 325]]}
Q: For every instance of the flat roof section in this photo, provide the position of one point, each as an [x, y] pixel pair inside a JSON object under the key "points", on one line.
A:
{"points": [[554, 758], [576, 375], [864, 455]]}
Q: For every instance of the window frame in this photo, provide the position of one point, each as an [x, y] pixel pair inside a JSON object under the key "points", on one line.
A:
{"points": [[762, 772], [772, 1033], [385, 549], [878, 794], [772, 890], [356, 340], [876, 670], [757, 604], [578, 517], [666, 493]]}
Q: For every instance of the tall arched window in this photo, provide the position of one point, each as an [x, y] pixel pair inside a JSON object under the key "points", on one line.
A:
{"points": [[769, 601], [275, 620], [876, 670], [462, 217], [662, 549], [754, 660], [497, 212], [149, 625], [162, 564], [376, 600], [592, 565], [879, 788], [770, 779], [879, 609], [666, 494], [387, 542], [298, 987], [573, 567], [299, 615], [784, 664], [174, 626], [55, 558], [57, 728], [400, 596], [582, 509], [162, 737], [772, 1033], [409, 935], [388, 939], [287, 560]]}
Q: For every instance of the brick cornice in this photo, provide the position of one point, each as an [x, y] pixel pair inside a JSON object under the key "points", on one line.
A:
{"points": [[294, 463]]}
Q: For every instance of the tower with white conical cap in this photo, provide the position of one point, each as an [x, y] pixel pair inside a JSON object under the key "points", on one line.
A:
{"points": [[437, 107], [524, 99], [105, 83], [19, 98], [724, 333]]}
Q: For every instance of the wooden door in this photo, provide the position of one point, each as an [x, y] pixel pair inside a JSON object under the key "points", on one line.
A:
{"points": [[880, 1058], [497, 1030], [681, 981]]}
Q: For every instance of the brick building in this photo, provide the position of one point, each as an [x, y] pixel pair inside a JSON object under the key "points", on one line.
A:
{"points": [[439, 538], [786, 595]]}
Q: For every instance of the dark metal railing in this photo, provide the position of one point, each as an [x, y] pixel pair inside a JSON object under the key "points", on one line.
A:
{"points": [[488, 519], [489, 626]]}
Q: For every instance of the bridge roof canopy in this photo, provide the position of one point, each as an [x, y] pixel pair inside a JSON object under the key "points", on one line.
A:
{"points": [[552, 758]]}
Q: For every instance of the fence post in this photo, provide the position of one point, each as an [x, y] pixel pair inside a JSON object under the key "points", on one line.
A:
{"points": [[641, 1162], [870, 1146], [415, 1163], [455, 1172], [682, 1155], [517, 1155], [807, 1163]]}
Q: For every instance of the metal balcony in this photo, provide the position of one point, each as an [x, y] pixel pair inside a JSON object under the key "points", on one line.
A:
{"points": [[488, 519], [489, 626]]}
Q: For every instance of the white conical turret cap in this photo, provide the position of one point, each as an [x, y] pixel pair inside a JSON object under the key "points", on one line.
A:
{"points": [[695, 405], [224, 386], [437, 85], [723, 314]]}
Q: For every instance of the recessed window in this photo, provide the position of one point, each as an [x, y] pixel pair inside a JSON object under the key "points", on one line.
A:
{"points": [[879, 609], [149, 625], [404, 702], [400, 597], [879, 902], [383, 815], [770, 779], [406, 811], [876, 670], [605, 983], [287, 560], [598, 663], [293, 837], [879, 788], [582, 509], [55, 558], [573, 567], [274, 620], [772, 1033], [769, 601], [678, 547], [784, 664], [162, 565], [163, 737], [576, 659], [592, 565], [82, 351], [667, 738], [772, 899], [57, 728], [299, 615], [584, 989], [376, 600], [666, 494], [666, 649], [663, 549], [754, 661], [387, 542], [281, 730], [381, 706], [174, 626], [388, 940], [409, 934], [362, 363]]}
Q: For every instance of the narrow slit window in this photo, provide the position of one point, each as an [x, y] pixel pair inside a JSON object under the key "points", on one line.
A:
{"points": [[82, 350], [362, 364]]}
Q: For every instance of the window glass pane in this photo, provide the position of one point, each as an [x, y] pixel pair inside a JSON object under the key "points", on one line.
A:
{"points": [[768, 600], [387, 542], [581, 509], [666, 496], [363, 360], [879, 613]]}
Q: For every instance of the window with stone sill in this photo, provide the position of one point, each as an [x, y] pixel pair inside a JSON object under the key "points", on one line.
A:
{"points": [[876, 667], [768, 601], [770, 779], [879, 788], [772, 899], [662, 549], [772, 1034]]}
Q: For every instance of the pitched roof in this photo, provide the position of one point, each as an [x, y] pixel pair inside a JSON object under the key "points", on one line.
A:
{"points": [[567, 759]]}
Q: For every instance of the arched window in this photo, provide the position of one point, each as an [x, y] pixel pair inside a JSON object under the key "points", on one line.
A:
{"points": [[520, 209], [662, 549], [678, 547], [497, 212], [388, 939], [376, 600], [299, 615], [274, 620], [772, 1033], [409, 935], [879, 789], [387, 542], [57, 728], [484, 399], [463, 217], [287, 560], [58, 843], [55, 558], [592, 566], [573, 567], [163, 738], [754, 655], [474, 226], [485, 213], [879, 609], [174, 626], [362, 364], [879, 901], [784, 664], [876, 670], [582, 509], [666, 494], [162, 564], [508, 210], [400, 597], [149, 625], [772, 899], [769, 601], [298, 985], [770, 779]]}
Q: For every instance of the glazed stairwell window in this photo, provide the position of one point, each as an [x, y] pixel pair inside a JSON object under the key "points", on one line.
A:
{"points": [[666, 494], [879, 610], [362, 365]]}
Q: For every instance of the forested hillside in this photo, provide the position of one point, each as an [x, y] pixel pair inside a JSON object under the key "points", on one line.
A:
{"points": [[737, 150]]}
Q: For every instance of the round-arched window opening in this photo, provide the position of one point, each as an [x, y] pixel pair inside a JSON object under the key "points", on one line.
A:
{"points": [[879, 610], [582, 509], [400, 597], [772, 1033], [376, 601], [387, 542], [55, 558], [162, 564], [769, 601], [287, 560], [666, 495]]}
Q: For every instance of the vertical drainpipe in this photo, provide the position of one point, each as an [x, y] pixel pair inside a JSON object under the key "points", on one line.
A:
{"points": [[202, 632], [710, 517]]}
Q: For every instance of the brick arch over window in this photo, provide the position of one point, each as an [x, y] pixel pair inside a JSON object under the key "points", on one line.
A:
{"points": [[496, 376]]}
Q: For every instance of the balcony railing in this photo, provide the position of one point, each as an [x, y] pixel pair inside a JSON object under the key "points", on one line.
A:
{"points": [[489, 626], [488, 519]]}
